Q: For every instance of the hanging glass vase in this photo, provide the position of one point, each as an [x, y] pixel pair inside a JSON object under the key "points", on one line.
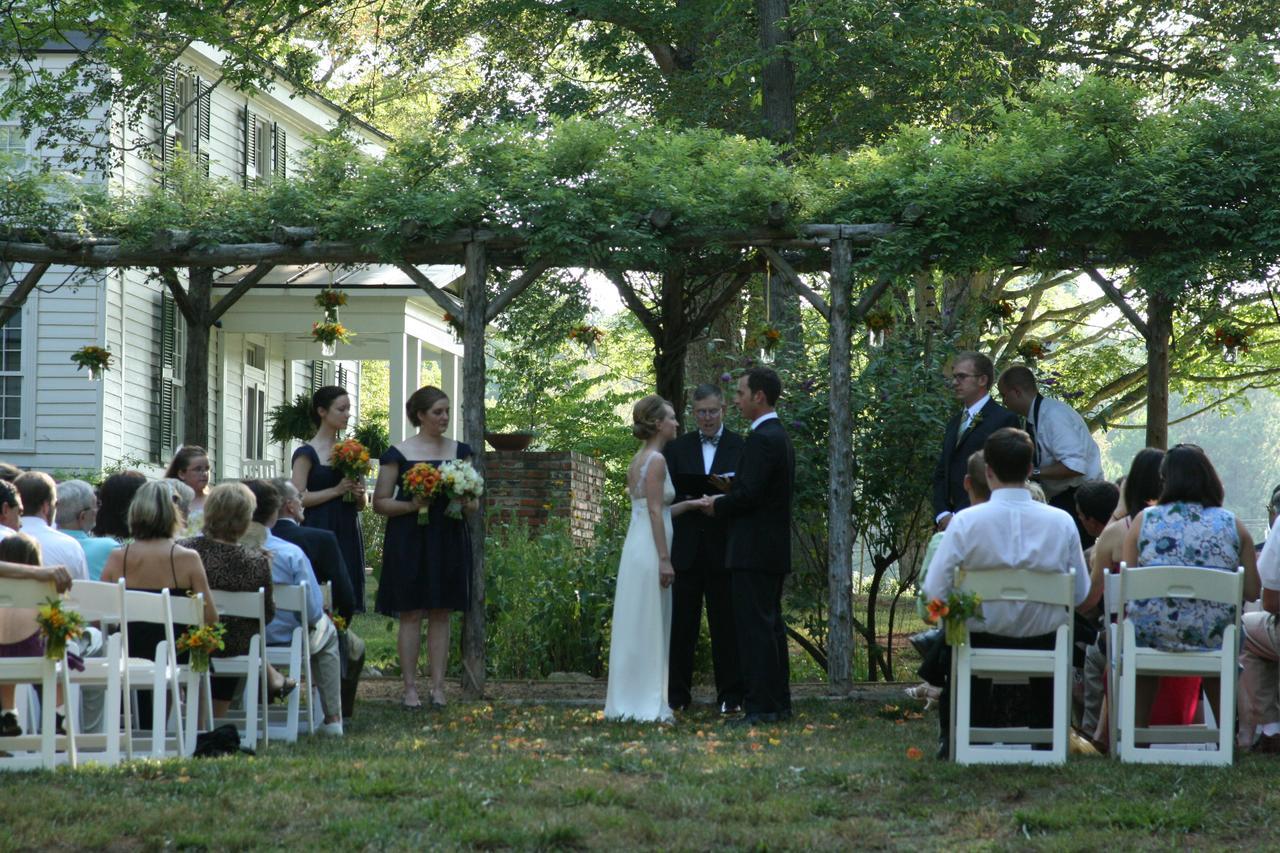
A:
{"points": [[1230, 354], [875, 338], [328, 349]]}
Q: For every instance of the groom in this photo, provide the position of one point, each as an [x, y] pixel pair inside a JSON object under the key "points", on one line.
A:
{"points": [[759, 550]]}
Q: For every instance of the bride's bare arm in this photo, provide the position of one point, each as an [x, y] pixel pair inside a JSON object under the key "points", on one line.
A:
{"points": [[655, 480]]}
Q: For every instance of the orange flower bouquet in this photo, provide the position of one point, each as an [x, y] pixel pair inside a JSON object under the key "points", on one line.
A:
{"points": [[422, 481], [58, 626], [350, 459], [201, 643], [959, 608]]}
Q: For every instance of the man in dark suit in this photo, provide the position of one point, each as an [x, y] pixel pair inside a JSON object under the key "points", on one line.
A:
{"points": [[697, 555], [321, 548], [758, 507], [972, 377]]}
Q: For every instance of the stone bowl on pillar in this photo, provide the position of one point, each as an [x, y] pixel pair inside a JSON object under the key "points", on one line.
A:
{"points": [[509, 441]]}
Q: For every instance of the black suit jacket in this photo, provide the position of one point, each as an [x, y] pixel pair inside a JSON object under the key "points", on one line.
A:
{"points": [[759, 504], [321, 548], [684, 456], [948, 477]]}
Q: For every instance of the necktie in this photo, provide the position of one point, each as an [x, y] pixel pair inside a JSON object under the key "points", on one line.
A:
{"points": [[964, 427], [712, 440], [1030, 427]]}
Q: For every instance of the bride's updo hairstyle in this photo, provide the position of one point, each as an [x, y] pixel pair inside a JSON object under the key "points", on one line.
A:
{"points": [[645, 416]]}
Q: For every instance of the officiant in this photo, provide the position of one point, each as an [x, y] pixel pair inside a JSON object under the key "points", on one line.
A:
{"points": [[698, 554]]}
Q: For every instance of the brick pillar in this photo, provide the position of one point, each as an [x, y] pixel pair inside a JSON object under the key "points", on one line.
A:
{"points": [[537, 486]]}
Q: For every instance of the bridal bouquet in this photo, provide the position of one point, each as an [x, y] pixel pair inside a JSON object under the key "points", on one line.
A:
{"points": [[422, 481], [461, 483], [954, 612], [351, 459], [201, 643]]}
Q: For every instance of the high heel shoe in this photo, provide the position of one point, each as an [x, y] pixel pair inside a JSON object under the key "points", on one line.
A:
{"points": [[286, 687]]}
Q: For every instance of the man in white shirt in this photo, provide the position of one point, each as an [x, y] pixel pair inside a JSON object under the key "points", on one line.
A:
{"points": [[10, 509], [1010, 531], [289, 565], [39, 501], [1065, 453], [1259, 723]]}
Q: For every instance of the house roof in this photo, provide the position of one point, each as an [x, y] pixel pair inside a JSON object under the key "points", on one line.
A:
{"points": [[368, 277]]}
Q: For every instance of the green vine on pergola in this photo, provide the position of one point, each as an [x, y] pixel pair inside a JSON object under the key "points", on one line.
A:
{"points": [[1081, 177]]}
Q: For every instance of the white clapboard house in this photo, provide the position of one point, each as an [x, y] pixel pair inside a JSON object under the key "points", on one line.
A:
{"points": [[52, 417]]}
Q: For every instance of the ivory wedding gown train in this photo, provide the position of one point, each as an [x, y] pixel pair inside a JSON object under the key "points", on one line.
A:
{"points": [[641, 638]]}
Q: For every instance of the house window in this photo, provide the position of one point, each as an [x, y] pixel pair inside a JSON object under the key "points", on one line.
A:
{"points": [[255, 356], [265, 147], [186, 103], [13, 145], [255, 421], [11, 379]]}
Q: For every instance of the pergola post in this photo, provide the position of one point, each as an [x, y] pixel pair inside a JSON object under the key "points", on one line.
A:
{"points": [[840, 460], [474, 305], [1160, 330], [195, 420]]}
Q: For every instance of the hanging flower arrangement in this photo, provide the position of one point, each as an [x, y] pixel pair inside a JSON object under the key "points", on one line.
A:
{"points": [[329, 301], [330, 333], [879, 322], [1032, 350], [1000, 312], [588, 336], [766, 337], [58, 626], [1233, 340], [97, 360], [455, 324]]}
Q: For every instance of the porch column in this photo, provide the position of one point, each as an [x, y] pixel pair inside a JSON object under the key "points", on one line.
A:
{"points": [[404, 369], [449, 383]]}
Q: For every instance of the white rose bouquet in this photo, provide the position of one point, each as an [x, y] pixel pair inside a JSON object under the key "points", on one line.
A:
{"points": [[461, 483]]}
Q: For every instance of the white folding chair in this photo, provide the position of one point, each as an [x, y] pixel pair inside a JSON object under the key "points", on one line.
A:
{"points": [[294, 658], [188, 611], [1146, 745], [252, 722], [1113, 612], [316, 709], [1012, 745], [161, 674], [103, 603], [43, 750]]}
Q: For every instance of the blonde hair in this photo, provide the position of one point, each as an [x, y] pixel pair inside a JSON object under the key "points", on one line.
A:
{"points": [[153, 514], [228, 511], [645, 416], [1037, 492]]}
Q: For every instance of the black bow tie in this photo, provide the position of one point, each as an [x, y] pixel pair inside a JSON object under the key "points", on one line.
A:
{"points": [[712, 440]]}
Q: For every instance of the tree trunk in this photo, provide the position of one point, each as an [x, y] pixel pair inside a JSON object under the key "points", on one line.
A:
{"points": [[778, 77], [671, 349], [473, 383], [840, 460], [195, 420], [1160, 327], [716, 350]]}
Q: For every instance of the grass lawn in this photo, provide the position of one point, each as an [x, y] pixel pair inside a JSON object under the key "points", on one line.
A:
{"points": [[541, 776]]}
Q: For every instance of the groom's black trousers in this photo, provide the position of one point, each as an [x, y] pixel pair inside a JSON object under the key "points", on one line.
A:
{"points": [[762, 641], [687, 593]]}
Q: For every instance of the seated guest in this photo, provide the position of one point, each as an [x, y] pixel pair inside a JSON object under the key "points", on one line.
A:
{"points": [[39, 503], [190, 465], [9, 473], [152, 562], [1187, 527], [10, 510], [184, 496], [228, 511], [1273, 512], [19, 634], [1096, 501], [324, 553], [1259, 723], [76, 514], [114, 497], [289, 566], [1009, 531], [1142, 486]]}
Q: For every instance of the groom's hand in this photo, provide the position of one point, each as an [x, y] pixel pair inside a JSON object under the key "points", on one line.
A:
{"points": [[708, 505]]}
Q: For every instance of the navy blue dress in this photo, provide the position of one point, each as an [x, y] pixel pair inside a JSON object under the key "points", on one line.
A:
{"points": [[424, 567], [338, 516]]}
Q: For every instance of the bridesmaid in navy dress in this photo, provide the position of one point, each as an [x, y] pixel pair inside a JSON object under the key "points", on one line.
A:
{"points": [[426, 569], [323, 490]]}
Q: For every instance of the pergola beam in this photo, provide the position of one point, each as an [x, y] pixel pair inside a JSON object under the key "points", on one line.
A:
{"points": [[22, 291]]}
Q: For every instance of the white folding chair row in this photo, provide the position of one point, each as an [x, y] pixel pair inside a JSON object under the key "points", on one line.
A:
{"points": [[197, 693], [1013, 745], [1152, 744], [47, 748], [295, 659], [103, 603], [252, 719]]}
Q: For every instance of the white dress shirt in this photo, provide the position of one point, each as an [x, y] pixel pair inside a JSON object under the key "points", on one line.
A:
{"points": [[767, 416], [1010, 531], [1269, 559], [709, 450], [1062, 436], [56, 547]]}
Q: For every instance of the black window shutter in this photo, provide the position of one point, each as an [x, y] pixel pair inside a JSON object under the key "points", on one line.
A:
{"points": [[204, 103], [165, 426], [280, 154], [249, 170]]}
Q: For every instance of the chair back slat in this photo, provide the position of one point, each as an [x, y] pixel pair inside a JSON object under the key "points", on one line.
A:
{"points": [[187, 609], [96, 601], [1023, 585], [247, 605], [147, 606], [25, 592], [289, 596], [1203, 584]]}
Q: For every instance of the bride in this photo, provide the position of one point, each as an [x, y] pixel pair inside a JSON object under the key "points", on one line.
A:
{"points": [[641, 640]]}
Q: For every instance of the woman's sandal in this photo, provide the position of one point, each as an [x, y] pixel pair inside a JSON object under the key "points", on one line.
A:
{"points": [[286, 687]]}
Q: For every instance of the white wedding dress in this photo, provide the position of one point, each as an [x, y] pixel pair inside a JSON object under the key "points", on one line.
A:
{"points": [[641, 639]]}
